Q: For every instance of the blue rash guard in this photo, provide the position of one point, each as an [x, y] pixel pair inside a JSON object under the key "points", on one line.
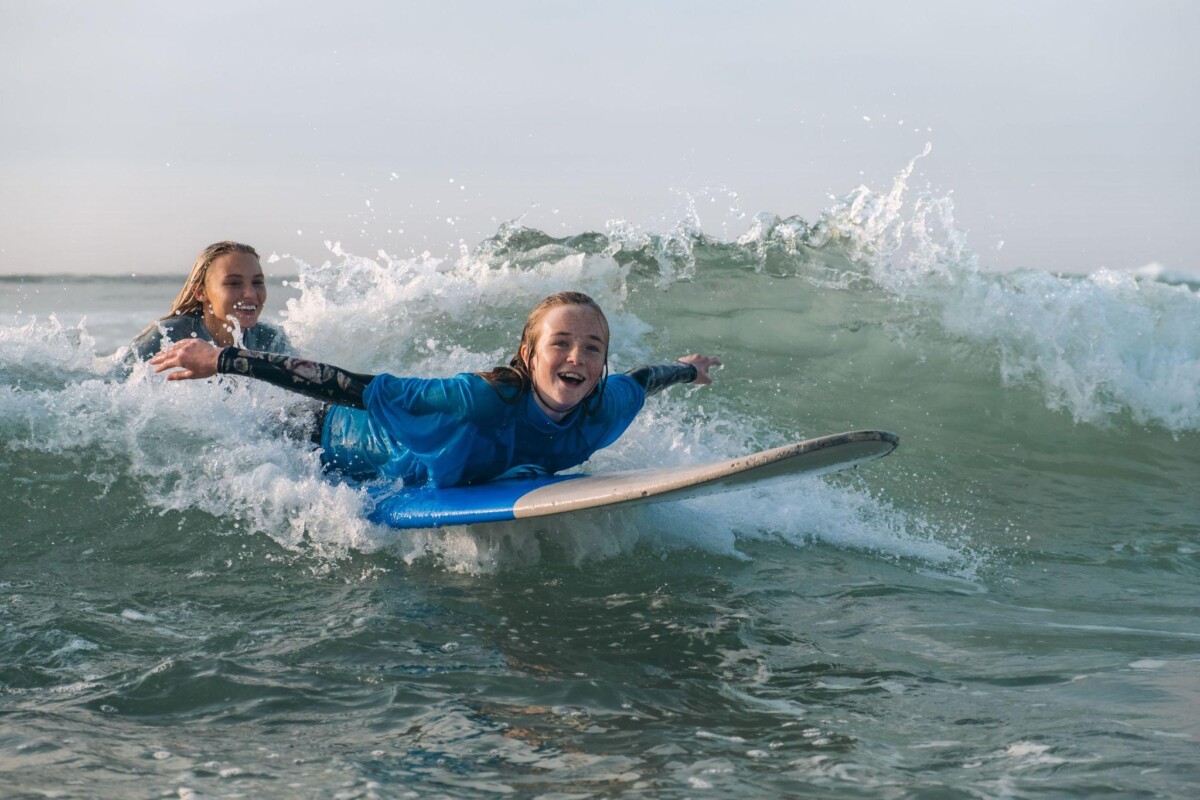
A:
{"points": [[452, 431]]}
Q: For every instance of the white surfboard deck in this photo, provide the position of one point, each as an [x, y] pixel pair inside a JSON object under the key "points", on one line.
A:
{"points": [[427, 507]]}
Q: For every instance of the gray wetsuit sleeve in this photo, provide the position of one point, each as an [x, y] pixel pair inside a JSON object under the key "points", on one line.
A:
{"points": [[321, 381], [176, 328], [655, 378], [147, 343]]}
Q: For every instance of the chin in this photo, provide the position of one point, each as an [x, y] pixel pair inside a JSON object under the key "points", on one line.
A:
{"points": [[565, 404]]}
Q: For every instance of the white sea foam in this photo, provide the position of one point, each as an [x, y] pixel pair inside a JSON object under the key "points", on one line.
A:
{"points": [[45, 350], [1148, 663], [1098, 345], [164, 436], [382, 310], [1158, 272]]}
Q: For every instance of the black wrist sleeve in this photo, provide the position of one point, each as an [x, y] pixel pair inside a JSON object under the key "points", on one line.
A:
{"points": [[321, 381], [659, 376]]}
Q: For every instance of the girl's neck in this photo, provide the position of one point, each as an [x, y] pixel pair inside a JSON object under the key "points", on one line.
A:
{"points": [[551, 414], [556, 417], [220, 332]]}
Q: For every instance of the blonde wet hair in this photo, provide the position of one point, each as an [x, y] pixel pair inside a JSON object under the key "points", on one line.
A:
{"points": [[186, 302]]}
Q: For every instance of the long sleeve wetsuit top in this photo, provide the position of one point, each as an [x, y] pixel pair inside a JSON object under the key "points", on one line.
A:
{"points": [[263, 337], [452, 431]]}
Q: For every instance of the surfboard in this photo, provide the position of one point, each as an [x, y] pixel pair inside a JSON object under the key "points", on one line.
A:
{"points": [[523, 498]]}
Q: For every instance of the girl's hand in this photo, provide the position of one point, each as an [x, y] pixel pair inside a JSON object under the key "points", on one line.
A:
{"points": [[193, 358], [701, 363]]}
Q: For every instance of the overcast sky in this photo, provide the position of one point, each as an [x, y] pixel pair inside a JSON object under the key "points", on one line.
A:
{"points": [[134, 133]]}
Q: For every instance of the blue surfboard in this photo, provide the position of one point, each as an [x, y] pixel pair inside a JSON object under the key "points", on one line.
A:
{"points": [[522, 498]]}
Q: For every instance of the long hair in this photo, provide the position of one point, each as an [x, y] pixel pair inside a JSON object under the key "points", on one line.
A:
{"points": [[186, 302], [518, 375]]}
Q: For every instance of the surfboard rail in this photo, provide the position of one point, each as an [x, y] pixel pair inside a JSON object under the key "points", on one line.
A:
{"points": [[844, 451], [426, 507]]}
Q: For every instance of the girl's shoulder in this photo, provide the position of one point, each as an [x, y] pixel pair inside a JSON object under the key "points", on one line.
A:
{"points": [[176, 328], [466, 393], [185, 324], [490, 400], [624, 390]]}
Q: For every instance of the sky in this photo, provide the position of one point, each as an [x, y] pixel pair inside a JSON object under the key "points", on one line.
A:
{"points": [[134, 133]]}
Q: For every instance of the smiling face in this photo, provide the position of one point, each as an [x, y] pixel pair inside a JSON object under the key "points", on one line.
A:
{"points": [[566, 358], [233, 287]]}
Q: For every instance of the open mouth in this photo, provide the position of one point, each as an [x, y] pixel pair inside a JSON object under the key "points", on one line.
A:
{"points": [[571, 378], [245, 309]]}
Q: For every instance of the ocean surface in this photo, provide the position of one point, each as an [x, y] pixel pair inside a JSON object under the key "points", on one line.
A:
{"points": [[1007, 607]]}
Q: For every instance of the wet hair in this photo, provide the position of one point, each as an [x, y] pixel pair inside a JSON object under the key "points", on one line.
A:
{"points": [[186, 302], [518, 375]]}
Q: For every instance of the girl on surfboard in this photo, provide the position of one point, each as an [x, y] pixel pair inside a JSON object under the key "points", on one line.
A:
{"points": [[220, 302], [550, 409]]}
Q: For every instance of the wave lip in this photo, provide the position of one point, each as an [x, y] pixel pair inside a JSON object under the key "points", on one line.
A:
{"points": [[1174, 276]]}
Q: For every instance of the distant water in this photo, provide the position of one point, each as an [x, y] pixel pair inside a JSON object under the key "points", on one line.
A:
{"points": [[1006, 607]]}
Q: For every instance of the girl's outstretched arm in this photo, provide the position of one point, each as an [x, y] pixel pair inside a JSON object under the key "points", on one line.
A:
{"points": [[196, 359], [688, 369]]}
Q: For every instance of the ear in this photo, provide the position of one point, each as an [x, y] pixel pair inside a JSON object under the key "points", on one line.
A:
{"points": [[200, 294], [524, 352]]}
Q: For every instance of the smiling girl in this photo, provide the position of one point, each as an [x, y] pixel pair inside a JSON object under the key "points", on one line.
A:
{"points": [[550, 409], [220, 303]]}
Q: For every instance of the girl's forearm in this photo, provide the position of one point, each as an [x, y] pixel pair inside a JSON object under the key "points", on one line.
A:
{"points": [[657, 377], [313, 379]]}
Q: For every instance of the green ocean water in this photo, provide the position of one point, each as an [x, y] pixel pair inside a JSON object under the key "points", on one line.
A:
{"points": [[1005, 607]]}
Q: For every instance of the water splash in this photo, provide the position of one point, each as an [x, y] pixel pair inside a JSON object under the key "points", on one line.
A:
{"points": [[1098, 346]]}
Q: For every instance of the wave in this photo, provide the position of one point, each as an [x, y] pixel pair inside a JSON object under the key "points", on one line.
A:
{"points": [[839, 323], [1098, 346]]}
